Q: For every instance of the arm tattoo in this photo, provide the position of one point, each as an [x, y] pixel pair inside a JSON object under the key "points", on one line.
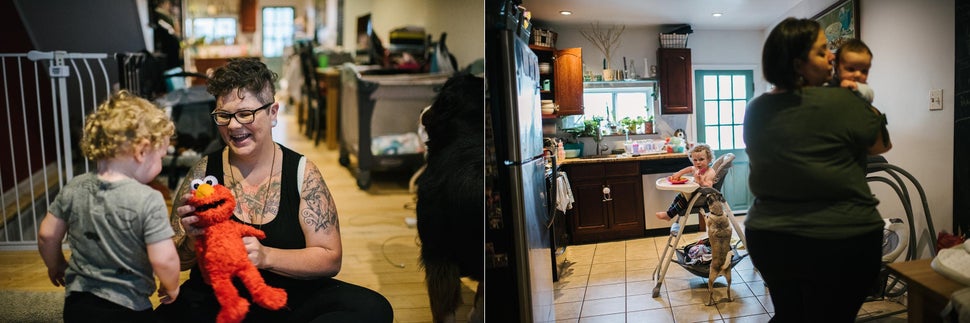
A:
{"points": [[320, 212]]}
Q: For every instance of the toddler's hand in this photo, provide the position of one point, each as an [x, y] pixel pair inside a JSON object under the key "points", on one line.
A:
{"points": [[166, 296], [56, 275]]}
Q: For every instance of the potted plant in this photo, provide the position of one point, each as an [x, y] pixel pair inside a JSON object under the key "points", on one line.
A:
{"points": [[630, 124], [648, 125], [592, 127]]}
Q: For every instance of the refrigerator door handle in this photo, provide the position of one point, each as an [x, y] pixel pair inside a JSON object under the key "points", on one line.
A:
{"points": [[606, 194]]}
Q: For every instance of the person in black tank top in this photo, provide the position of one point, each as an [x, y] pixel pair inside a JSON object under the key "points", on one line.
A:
{"points": [[279, 192]]}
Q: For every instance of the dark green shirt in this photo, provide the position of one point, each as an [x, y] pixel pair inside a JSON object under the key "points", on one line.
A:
{"points": [[807, 153]]}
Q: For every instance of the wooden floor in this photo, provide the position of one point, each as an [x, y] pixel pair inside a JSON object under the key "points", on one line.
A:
{"points": [[380, 250]]}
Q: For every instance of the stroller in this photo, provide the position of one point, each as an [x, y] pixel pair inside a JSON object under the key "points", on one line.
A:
{"points": [[697, 205]]}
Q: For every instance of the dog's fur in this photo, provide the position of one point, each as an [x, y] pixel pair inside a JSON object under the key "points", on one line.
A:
{"points": [[719, 234], [451, 195]]}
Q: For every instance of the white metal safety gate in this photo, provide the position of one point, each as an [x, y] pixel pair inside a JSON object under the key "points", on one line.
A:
{"points": [[46, 97]]}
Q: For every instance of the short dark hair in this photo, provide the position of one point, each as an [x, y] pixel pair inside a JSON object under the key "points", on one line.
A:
{"points": [[244, 73], [851, 45], [789, 41]]}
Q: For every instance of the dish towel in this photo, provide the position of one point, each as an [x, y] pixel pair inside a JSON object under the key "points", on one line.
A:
{"points": [[564, 193]]}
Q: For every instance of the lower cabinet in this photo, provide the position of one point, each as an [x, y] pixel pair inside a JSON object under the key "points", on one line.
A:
{"points": [[608, 201]]}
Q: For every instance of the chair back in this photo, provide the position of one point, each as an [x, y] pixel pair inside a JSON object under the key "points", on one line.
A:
{"points": [[721, 167]]}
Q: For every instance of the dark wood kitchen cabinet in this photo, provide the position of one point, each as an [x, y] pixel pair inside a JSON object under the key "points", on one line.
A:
{"points": [[608, 201], [676, 94], [565, 77], [247, 16]]}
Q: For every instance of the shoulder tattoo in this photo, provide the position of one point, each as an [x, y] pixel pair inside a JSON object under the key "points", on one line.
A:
{"points": [[320, 212]]}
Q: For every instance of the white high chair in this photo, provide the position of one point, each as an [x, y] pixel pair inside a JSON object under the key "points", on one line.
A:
{"points": [[692, 192]]}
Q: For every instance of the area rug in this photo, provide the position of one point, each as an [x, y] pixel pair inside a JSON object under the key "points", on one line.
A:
{"points": [[22, 306]]}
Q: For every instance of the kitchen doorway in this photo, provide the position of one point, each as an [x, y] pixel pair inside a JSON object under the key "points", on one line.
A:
{"points": [[722, 98]]}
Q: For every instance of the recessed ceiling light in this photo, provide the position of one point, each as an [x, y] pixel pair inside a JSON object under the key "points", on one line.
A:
{"points": [[717, 14], [565, 12]]}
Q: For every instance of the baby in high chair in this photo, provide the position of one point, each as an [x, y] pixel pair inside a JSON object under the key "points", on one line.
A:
{"points": [[701, 156]]}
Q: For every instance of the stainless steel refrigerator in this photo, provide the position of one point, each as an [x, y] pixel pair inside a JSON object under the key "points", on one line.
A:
{"points": [[518, 268]]}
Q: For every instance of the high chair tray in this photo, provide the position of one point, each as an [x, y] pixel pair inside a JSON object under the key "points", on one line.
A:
{"points": [[686, 187]]}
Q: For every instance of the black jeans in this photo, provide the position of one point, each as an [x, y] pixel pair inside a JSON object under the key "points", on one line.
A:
{"points": [[328, 300], [87, 307], [816, 280]]}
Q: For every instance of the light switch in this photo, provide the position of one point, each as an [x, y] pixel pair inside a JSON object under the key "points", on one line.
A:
{"points": [[936, 99]]}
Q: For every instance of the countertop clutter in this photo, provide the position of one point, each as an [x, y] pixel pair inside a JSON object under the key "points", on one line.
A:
{"points": [[619, 158]]}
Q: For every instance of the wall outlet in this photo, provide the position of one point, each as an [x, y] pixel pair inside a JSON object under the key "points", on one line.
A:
{"points": [[936, 99]]}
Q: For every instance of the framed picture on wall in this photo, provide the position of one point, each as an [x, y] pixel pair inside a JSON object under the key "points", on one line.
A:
{"points": [[840, 21]]}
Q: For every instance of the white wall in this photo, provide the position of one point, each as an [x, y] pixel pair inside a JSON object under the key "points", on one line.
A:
{"points": [[463, 20], [913, 52]]}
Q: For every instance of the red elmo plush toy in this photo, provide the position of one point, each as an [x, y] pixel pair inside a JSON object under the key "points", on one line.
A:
{"points": [[222, 255]]}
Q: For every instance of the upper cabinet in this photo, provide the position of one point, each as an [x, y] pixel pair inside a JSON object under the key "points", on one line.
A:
{"points": [[676, 95], [565, 78], [569, 81], [247, 16]]}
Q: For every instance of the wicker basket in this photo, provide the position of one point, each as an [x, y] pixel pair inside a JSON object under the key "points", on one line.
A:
{"points": [[673, 40], [544, 37]]}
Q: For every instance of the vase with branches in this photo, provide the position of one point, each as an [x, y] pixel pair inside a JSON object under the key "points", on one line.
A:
{"points": [[605, 39]]}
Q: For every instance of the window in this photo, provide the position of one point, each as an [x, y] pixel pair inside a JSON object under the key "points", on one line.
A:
{"points": [[277, 30], [614, 101], [213, 29], [723, 98]]}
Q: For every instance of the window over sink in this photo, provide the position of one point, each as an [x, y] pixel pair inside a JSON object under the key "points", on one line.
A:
{"points": [[614, 101]]}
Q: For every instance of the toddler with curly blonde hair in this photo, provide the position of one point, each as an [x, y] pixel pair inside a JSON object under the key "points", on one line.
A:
{"points": [[116, 226]]}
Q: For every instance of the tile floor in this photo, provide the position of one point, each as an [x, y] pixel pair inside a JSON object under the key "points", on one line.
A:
{"points": [[612, 282]]}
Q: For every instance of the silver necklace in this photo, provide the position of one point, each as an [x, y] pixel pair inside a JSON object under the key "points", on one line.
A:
{"points": [[252, 219]]}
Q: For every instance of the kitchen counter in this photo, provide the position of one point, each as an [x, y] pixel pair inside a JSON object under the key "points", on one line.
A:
{"points": [[619, 158]]}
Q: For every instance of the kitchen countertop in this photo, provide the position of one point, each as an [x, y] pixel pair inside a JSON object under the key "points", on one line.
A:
{"points": [[619, 158]]}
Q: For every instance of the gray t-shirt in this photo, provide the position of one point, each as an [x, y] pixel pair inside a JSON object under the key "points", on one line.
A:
{"points": [[110, 225]]}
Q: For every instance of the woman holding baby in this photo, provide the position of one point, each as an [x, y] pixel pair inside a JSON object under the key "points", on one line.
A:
{"points": [[813, 232]]}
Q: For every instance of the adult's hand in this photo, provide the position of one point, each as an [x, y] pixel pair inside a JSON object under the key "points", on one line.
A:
{"points": [[187, 219], [255, 251]]}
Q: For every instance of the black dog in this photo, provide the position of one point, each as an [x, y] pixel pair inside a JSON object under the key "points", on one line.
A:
{"points": [[451, 194]]}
